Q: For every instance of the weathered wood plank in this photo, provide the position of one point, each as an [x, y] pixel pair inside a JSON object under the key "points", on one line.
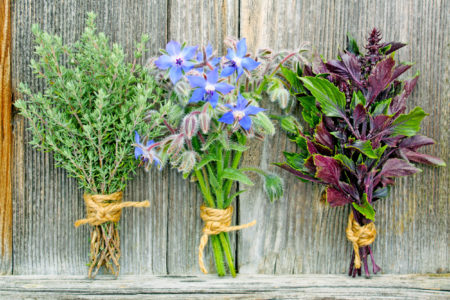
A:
{"points": [[211, 287], [5, 139], [196, 23], [298, 234], [46, 202]]}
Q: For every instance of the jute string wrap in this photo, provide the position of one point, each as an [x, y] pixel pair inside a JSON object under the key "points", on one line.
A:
{"points": [[105, 208], [360, 236], [216, 221]]}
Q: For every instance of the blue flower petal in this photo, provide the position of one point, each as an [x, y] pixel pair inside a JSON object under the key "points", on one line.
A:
{"points": [[241, 48], [137, 138], [197, 95], [214, 99], [227, 71], [224, 88], [188, 52], [175, 74], [230, 54], [240, 70], [214, 61], [253, 110], [138, 152], [241, 102], [212, 76], [149, 143], [187, 66], [173, 48], [227, 118], [246, 122], [164, 62], [196, 81], [249, 63], [229, 106]]}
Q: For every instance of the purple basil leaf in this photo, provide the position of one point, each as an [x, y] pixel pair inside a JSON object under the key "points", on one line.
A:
{"points": [[336, 197], [422, 158], [395, 167], [398, 103], [296, 172], [415, 142], [348, 68], [350, 189], [328, 169], [322, 136], [359, 115], [379, 78], [399, 70], [394, 47]]}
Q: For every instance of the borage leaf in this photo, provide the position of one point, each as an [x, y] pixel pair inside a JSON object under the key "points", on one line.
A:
{"points": [[236, 175]]}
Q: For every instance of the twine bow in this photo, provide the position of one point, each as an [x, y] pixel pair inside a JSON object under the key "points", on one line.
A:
{"points": [[216, 221], [105, 208], [360, 236]]}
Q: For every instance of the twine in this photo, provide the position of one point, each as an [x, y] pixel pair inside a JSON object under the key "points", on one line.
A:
{"points": [[105, 208], [360, 236], [216, 221]]}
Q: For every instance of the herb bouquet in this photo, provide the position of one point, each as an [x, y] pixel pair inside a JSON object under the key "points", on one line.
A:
{"points": [[359, 136], [220, 114], [93, 103]]}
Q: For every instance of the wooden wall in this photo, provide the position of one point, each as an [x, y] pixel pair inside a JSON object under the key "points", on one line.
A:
{"points": [[297, 234]]}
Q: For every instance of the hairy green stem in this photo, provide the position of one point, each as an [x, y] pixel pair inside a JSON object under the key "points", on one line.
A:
{"points": [[225, 240], [218, 255]]}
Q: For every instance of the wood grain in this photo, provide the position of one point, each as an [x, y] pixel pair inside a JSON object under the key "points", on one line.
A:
{"points": [[294, 235], [298, 234], [211, 287], [5, 139]]}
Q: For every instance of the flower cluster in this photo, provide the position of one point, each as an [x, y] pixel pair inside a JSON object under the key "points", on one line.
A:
{"points": [[218, 98]]}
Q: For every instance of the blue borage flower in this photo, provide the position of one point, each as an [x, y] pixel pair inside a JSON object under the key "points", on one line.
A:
{"points": [[238, 61], [212, 61], [143, 153], [241, 113], [178, 60], [208, 88]]}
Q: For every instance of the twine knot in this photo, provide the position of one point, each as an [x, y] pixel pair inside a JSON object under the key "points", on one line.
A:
{"points": [[360, 236], [105, 208], [216, 221]]}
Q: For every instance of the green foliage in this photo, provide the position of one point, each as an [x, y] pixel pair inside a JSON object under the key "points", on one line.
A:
{"points": [[365, 208], [93, 103], [332, 100], [408, 124]]}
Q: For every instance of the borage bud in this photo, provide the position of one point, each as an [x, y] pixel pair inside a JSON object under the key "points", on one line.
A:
{"points": [[176, 144], [182, 89], [283, 98], [204, 120], [189, 126], [274, 95], [187, 161]]}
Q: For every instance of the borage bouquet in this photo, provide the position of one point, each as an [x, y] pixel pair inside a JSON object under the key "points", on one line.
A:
{"points": [[93, 103], [219, 97], [359, 136]]}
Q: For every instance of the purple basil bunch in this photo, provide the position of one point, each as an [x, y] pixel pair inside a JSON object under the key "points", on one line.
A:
{"points": [[360, 136]]}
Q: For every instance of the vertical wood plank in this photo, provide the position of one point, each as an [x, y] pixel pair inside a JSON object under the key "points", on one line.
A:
{"points": [[46, 201], [5, 139], [197, 23], [298, 234]]}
